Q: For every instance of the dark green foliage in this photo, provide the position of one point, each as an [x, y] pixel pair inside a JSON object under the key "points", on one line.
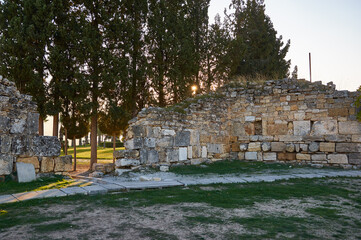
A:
{"points": [[114, 121], [358, 104]]}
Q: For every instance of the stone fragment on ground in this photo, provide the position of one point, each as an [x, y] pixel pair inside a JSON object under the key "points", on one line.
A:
{"points": [[25, 172]]}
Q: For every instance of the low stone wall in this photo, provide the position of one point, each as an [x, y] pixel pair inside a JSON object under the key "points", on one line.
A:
{"points": [[19, 139], [284, 120]]}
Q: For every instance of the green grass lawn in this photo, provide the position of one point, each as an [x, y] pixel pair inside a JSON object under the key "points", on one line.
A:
{"points": [[295, 209], [84, 152]]}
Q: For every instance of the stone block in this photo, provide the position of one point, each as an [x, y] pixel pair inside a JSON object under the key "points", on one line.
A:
{"points": [[196, 161], [266, 146], [143, 156], [98, 167], [19, 145], [277, 129], [32, 160], [204, 152], [278, 147], [126, 162], [153, 132], [165, 142], [33, 123], [47, 164], [5, 144], [137, 143], [183, 153], [109, 167], [338, 112], [337, 158], [164, 168], [301, 128], [356, 138], [254, 147], [354, 158], [235, 147], [290, 147], [304, 147], [250, 118], [153, 156], [194, 137], [6, 164], [241, 156], [289, 138], [139, 131], [126, 154], [286, 156], [318, 157], [269, 156], [4, 124], [25, 172], [215, 148], [243, 147], [45, 146], [168, 132], [348, 147], [251, 156], [129, 144], [196, 151], [338, 138], [327, 127], [190, 152], [327, 147], [182, 139], [349, 127], [301, 156], [149, 142], [63, 164], [243, 129], [17, 126], [172, 155], [313, 146]]}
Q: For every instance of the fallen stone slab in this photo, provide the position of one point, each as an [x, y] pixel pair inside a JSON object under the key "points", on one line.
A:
{"points": [[112, 187], [25, 172], [236, 179], [50, 193], [310, 175], [213, 180], [27, 196], [188, 182], [73, 191], [150, 184], [273, 178], [7, 199], [95, 189]]}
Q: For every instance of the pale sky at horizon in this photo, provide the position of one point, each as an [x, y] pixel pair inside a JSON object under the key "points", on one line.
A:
{"points": [[329, 29]]}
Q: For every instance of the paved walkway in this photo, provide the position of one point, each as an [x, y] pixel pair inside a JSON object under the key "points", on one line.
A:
{"points": [[118, 184]]}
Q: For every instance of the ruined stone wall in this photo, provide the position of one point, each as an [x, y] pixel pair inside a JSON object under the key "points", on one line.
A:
{"points": [[19, 139], [284, 120]]}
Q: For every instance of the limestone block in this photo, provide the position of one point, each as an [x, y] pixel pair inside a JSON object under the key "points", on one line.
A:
{"points": [[286, 156], [277, 129], [254, 147], [328, 127], [25, 172], [137, 143], [356, 138], [45, 146], [251, 156], [109, 167], [63, 164], [196, 151], [297, 147], [240, 129], [290, 147], [313, 146], [129, 144], [241, 156], [250, 118], [349, 127], [172, 155], [153, 132], [190, 152], [182, 139], [289, 138], [5, 144], [269, 156], [243, 147], [301, 128], [215, 148], [126, 162], [338, 138], [98, 167], [164, 168], [153, 156], [6, 164], [194, 137], [327, 147], [235, 147], [33, 123], [143, 158], [204, 152], [301, 156], [337, 158], [183, 152], [165, 142], [18, 126], [32, 160], [278, 147], [168, 132], [19, 145], [318, 157], [338, 112], [197, 161], [4, 124], [149, 142], [139, 131], [47, 164], [266, 146], [348, 147], [354, 158], [126, 154]]}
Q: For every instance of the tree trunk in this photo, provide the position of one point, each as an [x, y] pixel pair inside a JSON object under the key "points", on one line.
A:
{"points": [[99, 140], [66, 142], [55, 125], [113, 147], [93, 141], [41, 126], [74, 153]]}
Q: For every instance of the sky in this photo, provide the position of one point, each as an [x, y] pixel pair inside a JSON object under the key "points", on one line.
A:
{"points": [[328, 29]]}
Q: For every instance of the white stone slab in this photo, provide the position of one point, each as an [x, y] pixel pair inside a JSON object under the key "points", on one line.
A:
{"points": [[25, 172], [213, 180], [112, 187], [7, 199], [50, 193], [95, 189], [204, 152], [236, 179], [309, 175], [73, 191], [26, 196], [183, 153], [150, 184]]}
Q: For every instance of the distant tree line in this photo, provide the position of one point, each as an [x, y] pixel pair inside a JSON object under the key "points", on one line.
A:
{"points": [[105, 60]]}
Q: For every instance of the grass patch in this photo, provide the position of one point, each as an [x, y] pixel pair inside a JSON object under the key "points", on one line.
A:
{"points": [[56, 181], [230, 167], [84, 152], [51, 227], [204, 220], [327, 213]]}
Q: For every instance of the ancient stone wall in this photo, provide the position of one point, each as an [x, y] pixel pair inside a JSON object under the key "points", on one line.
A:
{"points": [[19, 139], [284, 120]]}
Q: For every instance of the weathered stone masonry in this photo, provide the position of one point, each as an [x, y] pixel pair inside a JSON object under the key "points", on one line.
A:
{"points": [[284, 120], [19, 139]]}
